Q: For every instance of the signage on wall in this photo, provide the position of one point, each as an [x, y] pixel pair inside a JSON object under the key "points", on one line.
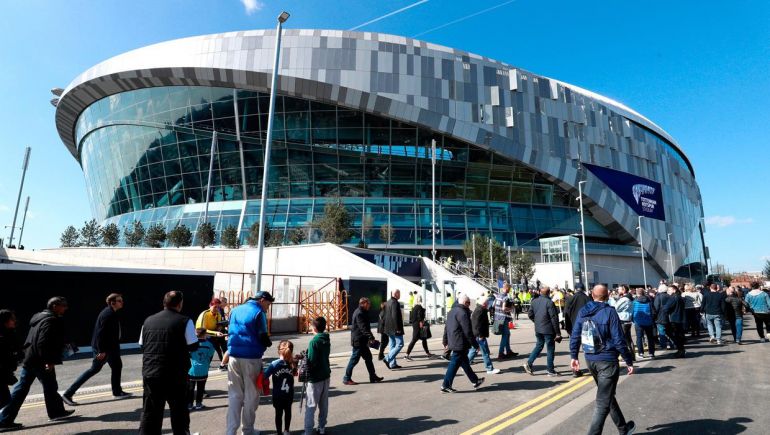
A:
{"points": [[644, 196]]}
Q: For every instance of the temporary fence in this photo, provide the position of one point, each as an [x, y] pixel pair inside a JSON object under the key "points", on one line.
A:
{"points": [[298, 299]]}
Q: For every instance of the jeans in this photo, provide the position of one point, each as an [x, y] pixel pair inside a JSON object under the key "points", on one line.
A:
{"points": [[158, 391], [359, 352], [116, 365], [642, 331], [605, 374], [736, 327], [550, 346], [662, 339], [762, 319], [317, 397], [53, 402], [714, 324], [505, 340], [484, 347], [396, 344], [242, 394], [457, 360]]}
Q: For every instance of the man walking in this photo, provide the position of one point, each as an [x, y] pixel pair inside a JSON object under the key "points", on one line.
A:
{"points": [[642, 316], [622, 306], [759, 303], [44, 346], [248, 340], [480, 326], [458, 339], [503, 305], [573, 305], [713, 307], [360, 337], [167, 338], [394, 328], [544, 315], [603, 341], [659, 304], [105, 343]]}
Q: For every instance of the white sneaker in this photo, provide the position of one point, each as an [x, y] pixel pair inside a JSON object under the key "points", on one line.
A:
{"points": [[493, 371]]}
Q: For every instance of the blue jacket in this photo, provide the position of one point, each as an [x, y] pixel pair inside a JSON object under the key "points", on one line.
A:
{"points": [[608, 323], [759, 301], [200, 359], [247, 323], [641, 311]]}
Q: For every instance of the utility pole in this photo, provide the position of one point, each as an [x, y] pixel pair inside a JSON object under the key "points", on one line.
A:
{"points": [[23, 221], [21, 187]]}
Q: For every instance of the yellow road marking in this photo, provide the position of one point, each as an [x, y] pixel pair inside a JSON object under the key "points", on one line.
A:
{"points": [[538, 407], [514, 411], [109, 393]]}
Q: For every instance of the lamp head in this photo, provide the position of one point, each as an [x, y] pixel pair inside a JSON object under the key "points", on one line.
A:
{"points": [[283, 17]]}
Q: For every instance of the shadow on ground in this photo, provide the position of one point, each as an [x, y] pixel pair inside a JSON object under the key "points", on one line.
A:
{"points": [[701, 427], [378, 426]]}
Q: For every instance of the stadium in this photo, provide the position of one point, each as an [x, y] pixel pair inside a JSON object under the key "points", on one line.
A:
{"points": [[356, 115]]}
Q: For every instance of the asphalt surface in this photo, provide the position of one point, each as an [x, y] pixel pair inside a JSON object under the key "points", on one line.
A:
{"points": [[715, 390]]}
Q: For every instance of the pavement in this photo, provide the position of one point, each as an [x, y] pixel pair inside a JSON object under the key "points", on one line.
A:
{"points": [[717, 389]]}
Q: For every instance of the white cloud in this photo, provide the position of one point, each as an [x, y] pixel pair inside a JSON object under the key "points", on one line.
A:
{"points": [[252, 6], [726, 221]]}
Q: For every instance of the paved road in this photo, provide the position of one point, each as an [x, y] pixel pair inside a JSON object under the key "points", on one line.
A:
{"points": [[667, 396]]}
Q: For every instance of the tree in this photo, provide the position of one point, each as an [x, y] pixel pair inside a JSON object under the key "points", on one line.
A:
{"points": [[230, 237], [387, 234], [253, 239], [523, 266], [367, 222], [297, 236], [110, 235], [156, 236], [275, 238], [499, 255], [91, 234], [335, 223], [180, 236], [205, 235], [766, 269], [69, 238], [133, 234]]}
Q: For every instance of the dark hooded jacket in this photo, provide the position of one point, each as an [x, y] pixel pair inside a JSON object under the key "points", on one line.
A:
{"points": [[394, 321], [675, 308], [10, 355], [360, 331], [480, 321], [610, 330], [458, 333], [45, 340], [660, 305], [572, 307]]}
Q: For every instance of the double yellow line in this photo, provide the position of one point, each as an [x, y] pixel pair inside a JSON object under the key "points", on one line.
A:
{"points": [[81, 397], [531, 407]]}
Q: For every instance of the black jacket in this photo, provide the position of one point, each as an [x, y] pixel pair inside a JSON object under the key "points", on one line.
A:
{"points": [[661, 306], [713, 303], [458, 333], [394, 321], [417, 315], [106, 336], [10, 355], [45, 340], [543, 313], [573, 306], [675, 308], [734, 307], [381, 322], [165, 352], [480, 322], [360, 331]]}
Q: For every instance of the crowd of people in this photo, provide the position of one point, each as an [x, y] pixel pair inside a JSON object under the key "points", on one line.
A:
{"points": [[177, 352]]}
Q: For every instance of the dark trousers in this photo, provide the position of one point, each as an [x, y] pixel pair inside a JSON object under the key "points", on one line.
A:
{"points": [[282, 410], [5, 396], [383, 345], [415, 338], [192, 384], [220, 345], [158, 391], [693, 321], [675, 332], [605, 374], [627, 334], [763, 322], [641, 332], [457, 360], [53, 403], [116, 365], [361, 351]]}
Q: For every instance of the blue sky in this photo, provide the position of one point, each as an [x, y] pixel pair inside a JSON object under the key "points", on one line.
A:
{"points": [[699, 69]]}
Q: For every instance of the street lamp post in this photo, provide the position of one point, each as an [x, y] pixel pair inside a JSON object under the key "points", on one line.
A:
{"points": [[641, 250], [491, 261], [23, 221], [473, 243], [211, 172], [268, 142], [433, 198], [583, 234], [21, 187], [670, 256]]}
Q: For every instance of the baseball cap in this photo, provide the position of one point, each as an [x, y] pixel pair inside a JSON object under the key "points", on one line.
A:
{"points": [[263, 294]]}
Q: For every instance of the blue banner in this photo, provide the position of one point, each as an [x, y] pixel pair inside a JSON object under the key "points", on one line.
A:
{"points": [[644, 196]]}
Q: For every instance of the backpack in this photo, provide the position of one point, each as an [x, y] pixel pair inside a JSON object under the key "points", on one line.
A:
{"points": [[303, 367], [590, 338]]}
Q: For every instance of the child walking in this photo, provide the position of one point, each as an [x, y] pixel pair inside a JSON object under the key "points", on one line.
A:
{"points": [[283, 371], [200, 360]]}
